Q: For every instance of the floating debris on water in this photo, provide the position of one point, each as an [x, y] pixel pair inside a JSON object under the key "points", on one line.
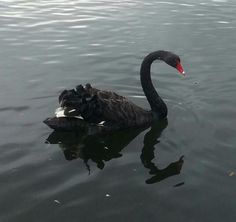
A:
{"points": [[179, 184], [232, 174], [57, 201]]}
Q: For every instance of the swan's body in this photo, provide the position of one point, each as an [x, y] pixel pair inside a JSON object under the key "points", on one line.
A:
{"points": [[88, 107]]}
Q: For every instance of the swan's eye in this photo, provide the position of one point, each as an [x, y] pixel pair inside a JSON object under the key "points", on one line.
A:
{"points": [[176, 62]]}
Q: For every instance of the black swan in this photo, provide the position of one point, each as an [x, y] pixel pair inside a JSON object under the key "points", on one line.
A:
{"points": [[93, 110]]}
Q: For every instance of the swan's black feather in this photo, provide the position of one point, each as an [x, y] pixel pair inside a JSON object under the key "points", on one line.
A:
{"points": [[97, 106]]}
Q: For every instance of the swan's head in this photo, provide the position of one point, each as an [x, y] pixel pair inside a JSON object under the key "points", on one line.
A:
{"points": [[173, 60]]}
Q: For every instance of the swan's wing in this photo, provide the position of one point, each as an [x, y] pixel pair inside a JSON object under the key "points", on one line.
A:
{"points": [[101, 107]]}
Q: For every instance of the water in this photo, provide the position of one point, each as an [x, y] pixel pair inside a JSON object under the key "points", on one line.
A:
{"points": [[132, 175]]}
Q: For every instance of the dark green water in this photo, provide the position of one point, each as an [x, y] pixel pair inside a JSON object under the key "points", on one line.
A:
{"points": [[131, 175]]}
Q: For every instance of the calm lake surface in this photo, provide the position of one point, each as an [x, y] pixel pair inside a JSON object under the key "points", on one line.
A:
{"points": [[130, 175]]}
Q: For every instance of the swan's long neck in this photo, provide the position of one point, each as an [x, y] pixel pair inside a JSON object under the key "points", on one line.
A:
{"points": [[158, 106]]}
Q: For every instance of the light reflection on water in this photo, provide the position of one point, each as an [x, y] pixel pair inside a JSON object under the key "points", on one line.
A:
{"points": [[47, 46]]}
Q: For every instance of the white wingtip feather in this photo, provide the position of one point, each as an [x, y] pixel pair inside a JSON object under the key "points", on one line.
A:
{"points": [[60, 112], [101, 123]]}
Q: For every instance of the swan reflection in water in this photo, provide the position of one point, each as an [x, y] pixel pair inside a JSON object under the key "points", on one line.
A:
{"points": [[100, 148]]}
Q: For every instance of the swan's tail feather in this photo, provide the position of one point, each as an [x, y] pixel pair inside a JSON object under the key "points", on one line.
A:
{"points": [[80, 102]]}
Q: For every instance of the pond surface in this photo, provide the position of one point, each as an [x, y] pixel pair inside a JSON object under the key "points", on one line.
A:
{"points": [[130, 175]]}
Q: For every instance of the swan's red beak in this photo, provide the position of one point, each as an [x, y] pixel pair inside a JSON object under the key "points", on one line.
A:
{"points": [[179, 67]]}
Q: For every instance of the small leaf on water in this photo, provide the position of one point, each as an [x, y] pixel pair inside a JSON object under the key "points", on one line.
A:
{"points": [[231, 174]]}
